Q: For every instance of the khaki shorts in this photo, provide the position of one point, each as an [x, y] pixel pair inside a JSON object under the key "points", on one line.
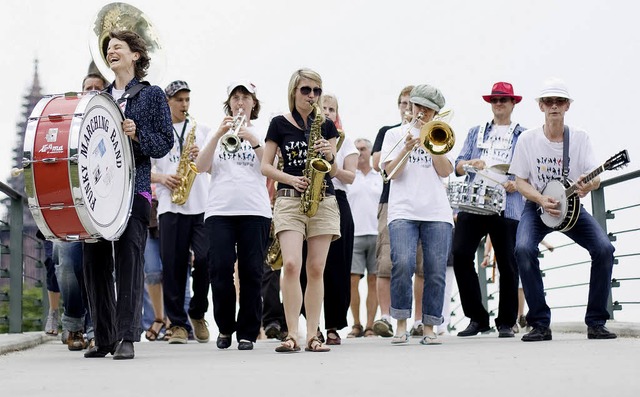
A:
{"points": [[287, 216], [383, 247]]}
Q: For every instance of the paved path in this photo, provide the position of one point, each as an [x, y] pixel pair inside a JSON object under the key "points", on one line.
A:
{"points": [[570, 365]]}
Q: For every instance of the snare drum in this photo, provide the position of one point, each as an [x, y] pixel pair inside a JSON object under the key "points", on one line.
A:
{"points": [[78, 167], [475, 198]]}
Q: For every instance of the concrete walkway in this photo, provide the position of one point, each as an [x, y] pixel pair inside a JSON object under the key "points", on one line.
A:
{"points": [[477, 366]]}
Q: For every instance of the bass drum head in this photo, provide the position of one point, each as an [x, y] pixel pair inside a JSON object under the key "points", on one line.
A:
{"points": [[104, 179]]}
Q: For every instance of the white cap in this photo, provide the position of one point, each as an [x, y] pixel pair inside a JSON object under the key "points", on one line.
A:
{"points": [[245, 83]]}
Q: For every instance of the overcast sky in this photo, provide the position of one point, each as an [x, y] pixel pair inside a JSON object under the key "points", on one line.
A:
{"points": [[366, 51]]}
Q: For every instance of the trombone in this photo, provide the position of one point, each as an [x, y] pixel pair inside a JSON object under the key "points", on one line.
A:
{"points": [[436, 137]]}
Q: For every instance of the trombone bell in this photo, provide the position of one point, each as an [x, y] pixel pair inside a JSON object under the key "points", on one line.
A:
{"points": [[437, 137]]}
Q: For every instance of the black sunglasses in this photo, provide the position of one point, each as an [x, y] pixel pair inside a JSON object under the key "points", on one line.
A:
{"points": [[306, 90], [503, 99], [552, 101]]}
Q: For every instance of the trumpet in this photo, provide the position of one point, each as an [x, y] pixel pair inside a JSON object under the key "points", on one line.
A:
{"points": [[231, 141], [436, 137]]}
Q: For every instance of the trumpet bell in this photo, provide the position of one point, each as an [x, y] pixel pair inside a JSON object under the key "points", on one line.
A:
{"points": [[122, 16], [231, 143], [437, 137]]}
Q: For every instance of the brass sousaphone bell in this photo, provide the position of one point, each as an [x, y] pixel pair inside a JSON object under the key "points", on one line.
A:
{"points": [[122, 16]]}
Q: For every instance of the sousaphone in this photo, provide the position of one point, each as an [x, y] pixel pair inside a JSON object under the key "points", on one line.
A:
{"points": [[122, 16]]}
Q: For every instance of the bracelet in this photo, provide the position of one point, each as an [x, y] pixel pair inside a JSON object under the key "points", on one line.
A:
{"points": [[256, 146], [333, 159]]}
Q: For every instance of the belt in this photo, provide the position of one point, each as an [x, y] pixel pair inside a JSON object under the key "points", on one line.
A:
{"points": [[288, 193]]}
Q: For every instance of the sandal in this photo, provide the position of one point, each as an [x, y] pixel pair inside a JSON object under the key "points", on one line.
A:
{"points": [[356, 331], [152, 334], [430, 340], [314, 345], [400, 339], [368, 332], [289, 345], [333, 338]]}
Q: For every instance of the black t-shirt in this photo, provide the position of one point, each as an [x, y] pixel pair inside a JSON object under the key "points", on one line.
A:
{"points": [[377, 146], [292, 142]]}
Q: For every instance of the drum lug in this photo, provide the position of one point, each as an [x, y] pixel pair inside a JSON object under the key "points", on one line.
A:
{"points": [[56, 206], [72, 237]]}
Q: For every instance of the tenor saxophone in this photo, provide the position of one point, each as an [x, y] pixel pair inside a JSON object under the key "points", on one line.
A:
{"points": [[187, 170], [315, 169]]}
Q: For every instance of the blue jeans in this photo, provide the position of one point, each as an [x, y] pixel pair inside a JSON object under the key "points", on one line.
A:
{"points": [[152, 275], [68, 259], [436, 242], [588, 234]]}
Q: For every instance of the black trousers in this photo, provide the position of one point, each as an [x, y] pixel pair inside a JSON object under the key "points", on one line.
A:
{"points": [[469, 231], [179, 234], [272, 308], [337, 271], [116, 312], [250, 234]]}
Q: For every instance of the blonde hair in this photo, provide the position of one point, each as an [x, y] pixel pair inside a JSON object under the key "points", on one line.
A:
{"points": [[293, 86]]}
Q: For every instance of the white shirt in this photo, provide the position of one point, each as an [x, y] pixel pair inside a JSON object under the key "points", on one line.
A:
{"points": [[538, 160], [237, 185], [347, 148], [364, 196], [169, 165], [418, 192]]}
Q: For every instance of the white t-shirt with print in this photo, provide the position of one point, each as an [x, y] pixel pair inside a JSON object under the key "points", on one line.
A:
{"points": [[169, 165], [539, 160], [364, 196], [347, 148], [418, 192], [237, 185]]}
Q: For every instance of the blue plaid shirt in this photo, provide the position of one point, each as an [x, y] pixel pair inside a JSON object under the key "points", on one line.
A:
{"points": [[470, 150], [150, 112]]}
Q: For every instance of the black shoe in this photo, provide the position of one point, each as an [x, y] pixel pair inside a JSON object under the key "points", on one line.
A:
{"points": [[474, 329], [537, 334], [505, 331], [600, 332], [223, 341], [100, 352], [124, 351], [245, 345]]}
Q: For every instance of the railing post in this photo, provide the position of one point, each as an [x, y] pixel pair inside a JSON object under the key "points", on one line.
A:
{"points": [[599, 211], [16, 266]]}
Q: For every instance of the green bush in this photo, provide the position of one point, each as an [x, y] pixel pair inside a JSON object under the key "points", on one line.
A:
{"points": [[31, 310]]}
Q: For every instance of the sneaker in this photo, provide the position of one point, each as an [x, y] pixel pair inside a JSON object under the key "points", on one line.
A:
{"points": [[522, 321], [200, 330], [416, 330], [76, 341], [178, 335], [537, 334], [383, 328], [51, 327]]}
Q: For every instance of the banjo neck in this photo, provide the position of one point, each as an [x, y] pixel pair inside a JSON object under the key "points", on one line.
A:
{"points": [[571, 190]]}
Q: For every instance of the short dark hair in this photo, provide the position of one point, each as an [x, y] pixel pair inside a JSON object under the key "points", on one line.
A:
{"points": [[105, 83], [136, 44]]}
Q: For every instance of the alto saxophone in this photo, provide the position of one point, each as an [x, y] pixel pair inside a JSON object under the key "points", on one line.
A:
{"points": [[315, 169], [187, 170]]}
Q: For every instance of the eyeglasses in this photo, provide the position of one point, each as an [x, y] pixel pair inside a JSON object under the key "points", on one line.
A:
{"points": [[306, 90], [500, 100], [554, 101]]}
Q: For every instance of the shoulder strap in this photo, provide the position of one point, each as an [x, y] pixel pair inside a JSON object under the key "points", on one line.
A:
{"points": [[133, 91], [565, 154]]}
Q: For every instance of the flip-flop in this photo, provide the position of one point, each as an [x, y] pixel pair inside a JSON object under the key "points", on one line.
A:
{"points": [[400, 339], [430, 340]]}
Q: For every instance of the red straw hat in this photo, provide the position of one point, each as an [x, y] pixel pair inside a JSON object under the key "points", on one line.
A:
{"points": [[502, 89]]}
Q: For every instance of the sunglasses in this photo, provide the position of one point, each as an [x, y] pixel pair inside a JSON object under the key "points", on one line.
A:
{"points": [[500, 100], [554, 101], [306, 90]]}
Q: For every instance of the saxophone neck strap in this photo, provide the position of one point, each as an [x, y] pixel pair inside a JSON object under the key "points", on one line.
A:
{"points": [[181, 136], [297, 117]]}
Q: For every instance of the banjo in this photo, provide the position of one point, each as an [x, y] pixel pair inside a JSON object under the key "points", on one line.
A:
{"points": [[565, 194]]}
